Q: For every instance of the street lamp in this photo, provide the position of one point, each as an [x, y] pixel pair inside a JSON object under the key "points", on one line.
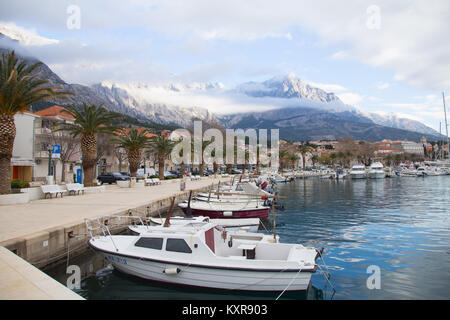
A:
{"points": [[49, 148]]}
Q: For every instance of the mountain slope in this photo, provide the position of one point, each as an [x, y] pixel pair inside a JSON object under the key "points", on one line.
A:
{"points": [[141, 99], [303, 124]]}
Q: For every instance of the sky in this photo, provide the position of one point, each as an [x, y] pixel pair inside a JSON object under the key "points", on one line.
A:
{"points": [[380, 56]]}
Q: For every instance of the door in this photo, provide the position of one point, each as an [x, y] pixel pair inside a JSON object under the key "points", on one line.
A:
{"points": [[209, 239]]}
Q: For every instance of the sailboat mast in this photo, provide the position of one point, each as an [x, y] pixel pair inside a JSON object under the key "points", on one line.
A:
{"points": [[440, 142], [446, 125]]}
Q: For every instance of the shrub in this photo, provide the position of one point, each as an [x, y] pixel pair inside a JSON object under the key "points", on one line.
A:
{"points": [[19, 184]]}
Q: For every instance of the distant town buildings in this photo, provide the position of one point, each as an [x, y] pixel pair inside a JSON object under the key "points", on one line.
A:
{"points": [[37, 132]]}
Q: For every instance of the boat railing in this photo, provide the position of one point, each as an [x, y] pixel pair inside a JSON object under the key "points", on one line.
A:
{"points": [[102, 225]]}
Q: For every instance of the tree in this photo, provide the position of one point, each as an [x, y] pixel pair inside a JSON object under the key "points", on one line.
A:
{"points": [[304, 149], [315, 159], [89, 121], [283, 155], [69, 146], [293, 158], [133, 141], [333, 157], [162, 146], [19, 88]]}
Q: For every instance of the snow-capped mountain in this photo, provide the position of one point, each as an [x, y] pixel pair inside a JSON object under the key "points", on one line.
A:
{"points": [[156, 103], [289, 86], [287, 102]]}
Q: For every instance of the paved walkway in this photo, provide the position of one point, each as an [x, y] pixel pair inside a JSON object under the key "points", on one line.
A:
{"points": [[19, 280], [39, 215]]}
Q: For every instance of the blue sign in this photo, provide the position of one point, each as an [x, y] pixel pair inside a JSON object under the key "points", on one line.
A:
{"points": [[56, 151], [79, 176]]}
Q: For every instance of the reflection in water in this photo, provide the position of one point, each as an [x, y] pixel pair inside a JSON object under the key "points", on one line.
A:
{"points": [[401, 225]]}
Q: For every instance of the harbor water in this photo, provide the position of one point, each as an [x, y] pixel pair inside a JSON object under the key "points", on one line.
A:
{"points": [[383, 239]]}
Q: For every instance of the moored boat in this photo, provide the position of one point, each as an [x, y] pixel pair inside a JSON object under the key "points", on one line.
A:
{"points": [[243, 225], [377, 171], [358, 171], [224, 210], [204, 255]]}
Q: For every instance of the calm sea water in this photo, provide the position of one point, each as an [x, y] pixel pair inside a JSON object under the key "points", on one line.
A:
{"points": [[399, 225]]}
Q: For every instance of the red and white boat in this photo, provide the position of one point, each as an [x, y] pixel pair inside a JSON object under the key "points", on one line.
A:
{"points": [[225, 210]]}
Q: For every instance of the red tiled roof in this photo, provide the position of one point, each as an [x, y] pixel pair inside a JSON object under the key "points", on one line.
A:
{"points": [[54, 111]]}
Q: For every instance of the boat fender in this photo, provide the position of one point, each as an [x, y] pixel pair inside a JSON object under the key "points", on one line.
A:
{"points": [[171, 270], [224, 235], [230, 242], [228, 213]]}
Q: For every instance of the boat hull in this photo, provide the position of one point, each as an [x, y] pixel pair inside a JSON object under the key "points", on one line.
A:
{"points": [[358, 175], [261, 213], [211, 277], [377, 175]]}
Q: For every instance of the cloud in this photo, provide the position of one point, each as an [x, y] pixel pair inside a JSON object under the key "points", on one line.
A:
{"points": [[384, 85], [350, 98], [410, 39], [24, 36], [327, 87]]}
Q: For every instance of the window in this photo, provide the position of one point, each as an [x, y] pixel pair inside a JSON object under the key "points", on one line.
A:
{"points": [[150, 243], [178, 245]]}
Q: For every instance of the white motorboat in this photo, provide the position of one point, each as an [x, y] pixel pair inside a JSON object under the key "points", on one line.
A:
{"points": [[408, 173], [243, 225], [205, 255], [421, 172], [377, 171], [436, 171], [358, 171]]}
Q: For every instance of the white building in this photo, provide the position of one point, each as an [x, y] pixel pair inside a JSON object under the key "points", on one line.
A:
{"points": [[22, 161]]}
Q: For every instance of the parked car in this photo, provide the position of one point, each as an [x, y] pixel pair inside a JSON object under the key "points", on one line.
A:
{"points": [[112, 177], [176, 173]]}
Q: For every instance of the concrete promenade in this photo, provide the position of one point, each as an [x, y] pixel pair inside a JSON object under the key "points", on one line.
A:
{"points": [[39, 233], [19, 280], [18, 221]]}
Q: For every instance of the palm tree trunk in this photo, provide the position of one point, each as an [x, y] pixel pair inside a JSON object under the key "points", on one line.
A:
{"points": [[63, 172], [161, 160], [89, 154], [7, 136], [134, 159], [200, 168], [182, 169]]}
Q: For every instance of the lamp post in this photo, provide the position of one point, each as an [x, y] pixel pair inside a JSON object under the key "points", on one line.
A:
{"points": [[50, 148]]}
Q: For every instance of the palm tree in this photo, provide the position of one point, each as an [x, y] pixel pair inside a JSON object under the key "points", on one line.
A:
{"points": [[293, 158], [333, 157], [202, 160], [304, 150], [163, 147], [315, 159], [283, 154], [133, 141], [89, 121], [19, 88]]}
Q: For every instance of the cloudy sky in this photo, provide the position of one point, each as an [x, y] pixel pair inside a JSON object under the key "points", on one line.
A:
{"points": [[381, 56]]}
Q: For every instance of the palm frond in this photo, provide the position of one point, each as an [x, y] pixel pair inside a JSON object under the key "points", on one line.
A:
{"points": [[20, 85]]}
